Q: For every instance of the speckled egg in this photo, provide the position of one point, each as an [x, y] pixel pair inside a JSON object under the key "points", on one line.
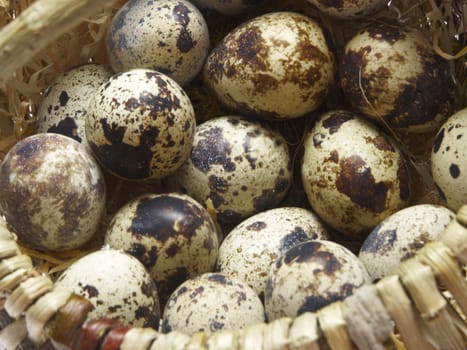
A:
{"points": [[171, 234], [117, 285], [392, 73], [140, 125], [170, 36], [65, 102], [212, 302], [274, 66], [401, 235], [349, 9], [249, 249], [353, 174], [242, 166], [52, 192], [310, 276], [231, 7], [449, 160]]}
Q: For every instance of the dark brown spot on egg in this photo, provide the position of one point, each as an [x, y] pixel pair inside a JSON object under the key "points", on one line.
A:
{"points": [[164, 216], [417, 244], [182, 15], [91, 291], [454, 171], [386, 32], [379, 241], [298, 235], [218, 184], [263, 82], [318, 140], [334, 157], [63, 98], [67, 127], [148, 315], [380, 142], [212, 149], [131, 162], [256, 226], [357, 182], [334, 121], [328, 262], [251, 49], [219, 278], [301, 253], [216, 326], [147, 257], [269, 198]]}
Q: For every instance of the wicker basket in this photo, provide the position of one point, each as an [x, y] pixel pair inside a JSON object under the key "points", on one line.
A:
{"points": [[422, 306]]}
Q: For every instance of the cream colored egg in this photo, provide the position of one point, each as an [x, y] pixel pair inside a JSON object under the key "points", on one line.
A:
{"points": [[353, 174], [274, 66], [170, 36], [171, 234], [349, 9], [310, 276], [231, 7], [65, 102], [52, 192], [117, 285], [250, 249], [140, 125], [392, 73], [449, 160], [212, 302], [401, 235], [242, 166]]}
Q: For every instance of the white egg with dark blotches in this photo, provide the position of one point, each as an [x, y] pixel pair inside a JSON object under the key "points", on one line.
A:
{"points": [[401, 235], [170, 36], [242, 166], [353, 173], [253, 246], [117, 285], [65, 102], [310, 276], [275, 66], [52, 192], [171, 234], [449, 160], [212, 302], [349, 9], [140, 125], [232, 7], [392, 74]]}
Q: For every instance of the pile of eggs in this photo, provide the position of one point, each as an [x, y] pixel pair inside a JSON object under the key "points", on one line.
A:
{"points": [[211, 235]]}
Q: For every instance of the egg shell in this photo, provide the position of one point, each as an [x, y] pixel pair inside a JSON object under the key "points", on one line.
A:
{"points": [[311, 275], [140, 125], [401, 235], [275, 66], [392, 73], [171, 234], [449, 160], [212, 302], [231, 7], [170, 36], [349, 9], [117, 285], [353, 174], [242, 166], [52, 192], [253, 246], [65, 102]]}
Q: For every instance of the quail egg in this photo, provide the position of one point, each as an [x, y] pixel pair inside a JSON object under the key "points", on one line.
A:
{"points": [[140, 125], [171, 234], [349, 9], [401, 235], [275, 66], [353, 174], [250, 248], [52, 192], [449, 160], [170, 36], [311, 275], [117, 285], [392, 75], [231, 7], [210, 303], [242, 166], [64, 106]]}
